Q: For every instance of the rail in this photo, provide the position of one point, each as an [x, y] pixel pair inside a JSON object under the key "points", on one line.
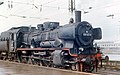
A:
{"points": [[112, 65]]}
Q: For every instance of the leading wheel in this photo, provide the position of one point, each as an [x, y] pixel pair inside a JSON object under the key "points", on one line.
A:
{"points": [[73, 67]]}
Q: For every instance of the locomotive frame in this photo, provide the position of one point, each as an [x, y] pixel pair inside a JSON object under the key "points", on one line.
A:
{"points": [[69, 46]]}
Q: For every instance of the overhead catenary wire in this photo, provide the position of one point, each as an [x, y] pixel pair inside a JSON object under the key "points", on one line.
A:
{"points": [[104, 7], [36, 6], [40, 7], [4, 16], [43, 5]]}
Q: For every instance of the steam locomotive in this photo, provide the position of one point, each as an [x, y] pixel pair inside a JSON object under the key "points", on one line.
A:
{"points": [[69, 46]]}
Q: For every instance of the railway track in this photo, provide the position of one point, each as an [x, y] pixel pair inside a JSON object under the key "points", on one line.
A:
{"points": [[36, 70], [108, 71], [109, 68], [103, 71]]}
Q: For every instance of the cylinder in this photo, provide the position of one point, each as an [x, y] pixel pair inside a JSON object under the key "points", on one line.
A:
{"points": [[77, 16]]}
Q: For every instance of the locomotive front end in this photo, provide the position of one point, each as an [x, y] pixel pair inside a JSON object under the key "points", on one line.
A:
{"points": [[86, 34]]}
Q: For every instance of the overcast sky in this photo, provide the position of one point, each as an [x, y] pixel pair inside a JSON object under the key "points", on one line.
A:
{"points": [[33, 12]]}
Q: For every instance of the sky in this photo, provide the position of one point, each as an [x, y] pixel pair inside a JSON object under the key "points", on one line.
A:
{"points": [[33, 12]]}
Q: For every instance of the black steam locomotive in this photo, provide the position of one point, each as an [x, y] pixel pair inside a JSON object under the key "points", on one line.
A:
{"points": [[68, 46]]}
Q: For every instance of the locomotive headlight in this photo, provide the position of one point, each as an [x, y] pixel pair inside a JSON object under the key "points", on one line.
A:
{"points": [[3, 53], [31, 47], [81, 49], [24, 52]]}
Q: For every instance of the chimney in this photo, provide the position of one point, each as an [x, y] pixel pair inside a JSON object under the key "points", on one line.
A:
{"points": [[77, 16]]}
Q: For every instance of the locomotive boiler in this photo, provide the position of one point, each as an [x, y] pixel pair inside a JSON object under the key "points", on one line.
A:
{"points": [[49, 44]]}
